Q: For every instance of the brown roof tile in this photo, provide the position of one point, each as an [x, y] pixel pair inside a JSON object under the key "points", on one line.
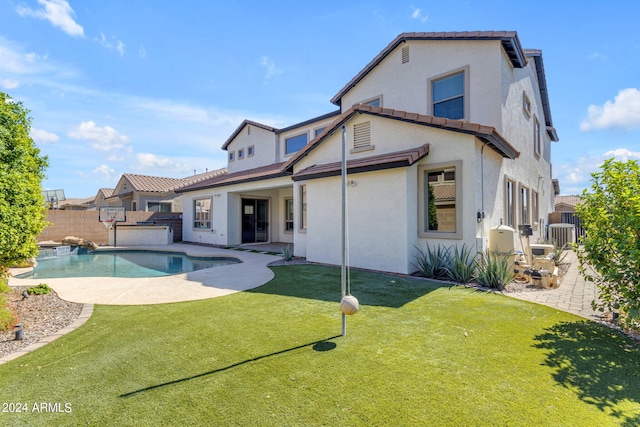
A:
{"points": [[264, 172], [366, 164]]}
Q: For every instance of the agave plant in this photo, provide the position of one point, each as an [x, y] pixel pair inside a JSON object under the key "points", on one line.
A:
{"points": [[433, 263], [462, 265], [287, 255], [494, 270]]}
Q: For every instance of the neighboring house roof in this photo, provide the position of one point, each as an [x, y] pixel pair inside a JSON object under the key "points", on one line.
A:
{"points": [[157, 184], [242, 125], [444, 192], [106, 192], [367, 164], [487, 134], [69, 202], [509, 39], [572, 200], [256, 174]]}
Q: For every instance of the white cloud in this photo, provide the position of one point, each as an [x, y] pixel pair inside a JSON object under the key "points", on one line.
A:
{"points": [[576, 176], [14, 61], [39, 135], [102, 138], [270, 67], [58, 13], [597, 56], [111, 43], [9, 84], [107, 173], [417, 14], [623, 112], [148, 161]]}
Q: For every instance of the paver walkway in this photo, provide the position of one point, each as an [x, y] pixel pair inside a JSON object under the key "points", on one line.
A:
{"points": [[574, 294]]}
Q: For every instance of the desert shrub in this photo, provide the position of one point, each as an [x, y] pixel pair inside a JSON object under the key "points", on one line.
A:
{"points": [[494, 270], [41, 289], [462, 265], [287, 255], [7, 319], [433, 263]]}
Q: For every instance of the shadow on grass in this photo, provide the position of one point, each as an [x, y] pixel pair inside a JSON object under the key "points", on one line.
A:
{"points": [[320, 346], [600, 364], [321, 282]]}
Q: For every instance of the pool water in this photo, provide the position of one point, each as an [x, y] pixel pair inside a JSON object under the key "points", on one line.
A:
{"points": [[132, 264]]}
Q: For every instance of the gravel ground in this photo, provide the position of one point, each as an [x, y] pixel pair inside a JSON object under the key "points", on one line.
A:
{"points": [[40, 315]]}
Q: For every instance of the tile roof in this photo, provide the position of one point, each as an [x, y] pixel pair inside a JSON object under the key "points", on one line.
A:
{"points": [[242, 125], [384, 161], [567, 200], [106, 192], [487, 134], [158, 184], [509, 39], [270, 171]]}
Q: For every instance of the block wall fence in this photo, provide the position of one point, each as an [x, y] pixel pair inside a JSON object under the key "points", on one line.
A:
{"points": [[85, 224]]}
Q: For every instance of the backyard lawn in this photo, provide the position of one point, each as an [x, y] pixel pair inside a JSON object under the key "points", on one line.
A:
{"points": [[417, 353]]}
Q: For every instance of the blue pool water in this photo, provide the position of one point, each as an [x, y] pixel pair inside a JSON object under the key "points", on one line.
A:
{"points": [[123, 264]]}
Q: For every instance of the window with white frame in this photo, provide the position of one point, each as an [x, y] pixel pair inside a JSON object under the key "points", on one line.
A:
{"points": [[448, 96], [303, 207], [537, 138], [202, 213], [509, 202], [525, 217], [295, 143], [158, 206], [440, 200], [288, 215], [319, 131]]}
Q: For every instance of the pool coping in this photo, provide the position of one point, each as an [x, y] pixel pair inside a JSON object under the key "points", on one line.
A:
{"points": [[202, 284]]}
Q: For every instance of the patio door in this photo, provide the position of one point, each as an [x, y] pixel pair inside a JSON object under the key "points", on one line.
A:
{"points": [[255, 220]]}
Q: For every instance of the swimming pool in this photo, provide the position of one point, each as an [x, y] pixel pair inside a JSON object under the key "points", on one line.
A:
{"points": [[131, 264]]}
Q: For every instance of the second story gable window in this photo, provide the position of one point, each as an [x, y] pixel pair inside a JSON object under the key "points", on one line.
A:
{"points": [[295, 143], [241, 154], [448, 96]]}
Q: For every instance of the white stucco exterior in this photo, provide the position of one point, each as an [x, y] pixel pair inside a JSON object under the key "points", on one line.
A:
{"points": [[397, 148]]}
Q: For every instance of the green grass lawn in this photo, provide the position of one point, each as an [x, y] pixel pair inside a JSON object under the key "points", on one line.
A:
{"points": [[417, 353]]}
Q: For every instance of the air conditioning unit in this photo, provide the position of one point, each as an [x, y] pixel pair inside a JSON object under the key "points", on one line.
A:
{"points": [[562, 234]]}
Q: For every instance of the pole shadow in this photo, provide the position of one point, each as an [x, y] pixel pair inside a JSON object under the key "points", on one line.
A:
{"points": [[320, 346]]}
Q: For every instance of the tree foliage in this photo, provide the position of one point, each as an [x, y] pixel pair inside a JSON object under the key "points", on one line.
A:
{"points": [[22, 210], [610, 251]]}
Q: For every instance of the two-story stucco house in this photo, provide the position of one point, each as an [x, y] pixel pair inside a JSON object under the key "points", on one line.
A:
{"points": [[447, 134]]}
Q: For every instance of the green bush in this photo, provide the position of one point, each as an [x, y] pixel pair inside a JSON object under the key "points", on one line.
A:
{"points": [[494, 270], [41, 289], [433, 263], [462, 265]]}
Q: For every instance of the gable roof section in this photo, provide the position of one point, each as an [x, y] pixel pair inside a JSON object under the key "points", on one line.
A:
{"points": [[242, 125], [151, 184], [509, 40], [536, 55], [367, 164], [265, 172], [487, 134]]}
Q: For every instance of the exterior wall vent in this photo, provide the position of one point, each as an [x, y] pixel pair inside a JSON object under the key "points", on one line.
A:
{"points": [[405, 54], [361, 135]]}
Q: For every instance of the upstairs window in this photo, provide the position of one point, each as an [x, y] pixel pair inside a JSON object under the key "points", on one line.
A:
{"points": [[250, 150], [295, 143], [448, 96], [232, 156], [241, 154]]}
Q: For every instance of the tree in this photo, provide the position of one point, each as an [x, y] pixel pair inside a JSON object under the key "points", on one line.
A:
{"points": [[22, 209], [610, 251]]}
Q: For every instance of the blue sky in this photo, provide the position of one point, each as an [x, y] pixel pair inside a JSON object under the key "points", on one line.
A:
{"points": [[156, 87]]}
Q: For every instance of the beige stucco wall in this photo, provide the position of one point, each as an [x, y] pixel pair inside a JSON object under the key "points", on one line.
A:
{"points": [[264, 147]]}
